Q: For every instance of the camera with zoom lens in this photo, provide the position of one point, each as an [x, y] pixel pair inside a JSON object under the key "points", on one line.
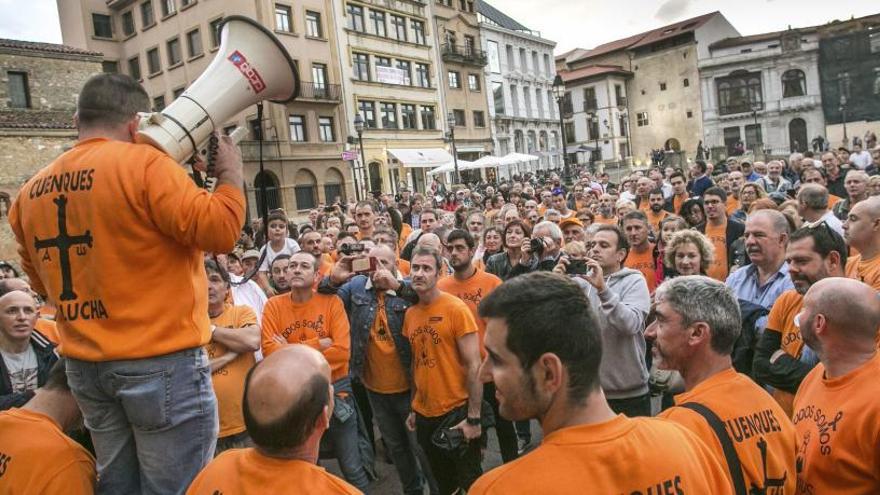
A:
{"points": [[537, 246], [350, 249]]}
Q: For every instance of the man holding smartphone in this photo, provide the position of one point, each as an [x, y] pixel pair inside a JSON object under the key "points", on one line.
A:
{"points": [[621, 299]]}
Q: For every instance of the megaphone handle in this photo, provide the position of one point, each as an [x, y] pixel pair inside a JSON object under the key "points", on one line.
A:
{"points": [[211, 154]]}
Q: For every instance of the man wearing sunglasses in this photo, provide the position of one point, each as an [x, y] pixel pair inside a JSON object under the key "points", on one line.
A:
{"points": [[815, 251]]}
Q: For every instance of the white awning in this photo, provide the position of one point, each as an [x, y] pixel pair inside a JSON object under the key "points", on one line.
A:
{"points": [[488, 161], [427, 158], [450, 167]]}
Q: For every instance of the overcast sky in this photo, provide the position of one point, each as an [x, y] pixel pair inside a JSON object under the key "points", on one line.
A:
{"points": [[571, 23]]}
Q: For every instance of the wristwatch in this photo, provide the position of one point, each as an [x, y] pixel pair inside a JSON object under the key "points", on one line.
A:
{"points": [[473, 421]]}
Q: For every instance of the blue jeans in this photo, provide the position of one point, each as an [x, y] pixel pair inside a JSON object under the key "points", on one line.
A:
{"points": [[390, 412], [153, 421], [344, 439]]}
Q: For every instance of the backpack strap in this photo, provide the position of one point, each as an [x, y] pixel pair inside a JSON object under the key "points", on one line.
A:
{"points": [[733, 463]]}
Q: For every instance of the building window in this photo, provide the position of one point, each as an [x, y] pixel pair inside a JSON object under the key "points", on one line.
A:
{"points": [[184, 3], [663, 86], [642, 119], [753, 136], [539, 100], [389, 115], [418, 28], [498, 97], [19, 92], [479, 119], [547, 69], [283, 18], [494, 57], [377, 18], [319, 76], [134, 67], [325, 129], [179, 91], [731, 139], [590, 102], [356, 18], [103, 25], [128, 23], [408, 116], [174, 55], [569, 132], [147, 16], [168, 8], [535, 67], [454, 79], [514, 100], [619, 99], [368, 113], [406, 67], [297, 124], [429, 119], [794, 83], [306, 192], [255, 128], [473, 82], [153, 62], [194, 43], [159, 103], [383, 62], [686, 83], [739, 92], [527, 100], [511, 62], [690, 114], [361, 66], [398, 26], [469, 45], [313, 24], [459, 118], [423, 75], [594, 128], [110, 66], [215, 32]]}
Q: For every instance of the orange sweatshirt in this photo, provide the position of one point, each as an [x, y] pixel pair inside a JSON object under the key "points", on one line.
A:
{"points": [[113, 233]]}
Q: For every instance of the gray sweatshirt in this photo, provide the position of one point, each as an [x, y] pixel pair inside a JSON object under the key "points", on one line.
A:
{"points": [[620, 311]]}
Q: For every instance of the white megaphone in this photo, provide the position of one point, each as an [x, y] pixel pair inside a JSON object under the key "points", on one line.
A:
{"points": [[251, 66]]}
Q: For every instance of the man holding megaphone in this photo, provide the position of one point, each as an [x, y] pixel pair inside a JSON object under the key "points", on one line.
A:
{"points": [[113, 232]]}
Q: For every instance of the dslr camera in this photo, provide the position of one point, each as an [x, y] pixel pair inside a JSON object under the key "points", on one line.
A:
{"points": [[537, 246], [350, 249]]}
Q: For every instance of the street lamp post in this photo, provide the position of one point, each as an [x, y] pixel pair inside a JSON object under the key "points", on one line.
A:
{"points": [[450, 121], [359, 128], [843, 112], [559, 94]]}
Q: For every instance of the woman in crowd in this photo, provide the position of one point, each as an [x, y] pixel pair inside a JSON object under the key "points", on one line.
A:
{"points": [[688, 252], [450, 204], [693, 211], [668, 226], [749, 193], [512, 237]]}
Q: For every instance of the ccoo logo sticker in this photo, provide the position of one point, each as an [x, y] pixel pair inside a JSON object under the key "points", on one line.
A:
{"points": [[253, 77]]}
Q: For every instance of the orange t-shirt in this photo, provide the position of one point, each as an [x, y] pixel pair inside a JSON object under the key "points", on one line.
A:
{"points": [[129, 213], [752, 418], [247, 472], [605, 221], [781, 319], [621, 456], [403, 267], [322, 317], [644, 205], [472, 291], [717, 235], [405, 230], [383, 371], [655, 219], [37, 457], [731, 205], [677, 201], [48, 328], [832, 200], [838, 430], [644, 262], [867, 271], [229, 380], [439, 377]]}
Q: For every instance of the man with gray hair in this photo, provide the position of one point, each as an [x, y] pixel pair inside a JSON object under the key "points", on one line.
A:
{"points": [[541, 252], [856, 185], [813, 207], [696, 324]]}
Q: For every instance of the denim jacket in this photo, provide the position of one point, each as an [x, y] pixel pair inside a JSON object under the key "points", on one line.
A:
{"points": [[360, 301]]}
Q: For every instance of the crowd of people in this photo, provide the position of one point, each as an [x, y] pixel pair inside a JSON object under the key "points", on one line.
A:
{"points": [[709, 330]]}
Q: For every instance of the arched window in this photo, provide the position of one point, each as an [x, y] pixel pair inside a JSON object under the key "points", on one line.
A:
{"points": [[273, 192], [306, 190], [518, 142], [334, 186], [794, 83], [375, 170], [797, 135], [739, 92]]}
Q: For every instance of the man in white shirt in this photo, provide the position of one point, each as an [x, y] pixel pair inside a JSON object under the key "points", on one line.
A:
{"points": [[859, 158]]}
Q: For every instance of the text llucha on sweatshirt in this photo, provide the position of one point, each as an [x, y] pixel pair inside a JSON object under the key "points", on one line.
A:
{"points": [[59, 250]]}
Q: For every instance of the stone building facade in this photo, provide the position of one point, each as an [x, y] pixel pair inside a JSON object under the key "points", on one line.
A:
{"points": [[39, 84]]}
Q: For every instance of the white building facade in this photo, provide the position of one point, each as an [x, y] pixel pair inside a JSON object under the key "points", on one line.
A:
{"points": [[523, 112], [763, 91]]}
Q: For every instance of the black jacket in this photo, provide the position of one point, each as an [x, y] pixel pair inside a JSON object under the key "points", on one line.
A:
{"points": [[46, 358], [733, 232], [744, 353], [786, 373]]}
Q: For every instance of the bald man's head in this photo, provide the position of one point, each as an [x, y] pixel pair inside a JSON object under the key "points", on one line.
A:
{"points": [[430, 240], [287, 399], [862, 226], [840, 309]]}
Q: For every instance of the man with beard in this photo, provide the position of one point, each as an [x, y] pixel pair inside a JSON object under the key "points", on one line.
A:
{"points": [[644, 186], [447, 391], [607, 215], [836, 408], [697, 322], [736, 181], [641, 250], [679, 193], [472, 285], [781, 360], [862, 233], [834, 174], [656, 213], [545, 352], [721, 230], [278, 275]]}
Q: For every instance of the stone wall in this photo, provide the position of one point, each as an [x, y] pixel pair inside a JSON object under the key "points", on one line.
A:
{"points": [[54, 81]]}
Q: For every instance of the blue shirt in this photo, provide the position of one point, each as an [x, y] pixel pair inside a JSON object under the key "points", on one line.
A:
{"points": [[752, 177], [744, 284]]}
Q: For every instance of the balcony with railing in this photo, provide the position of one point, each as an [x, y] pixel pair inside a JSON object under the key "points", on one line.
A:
{"points": [[320, 92], [463, 54]]}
